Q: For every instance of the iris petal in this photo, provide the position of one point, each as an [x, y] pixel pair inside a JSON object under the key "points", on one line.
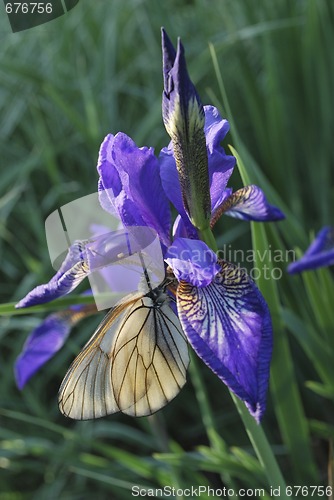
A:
{"points": [[184, 229], [46, 340], [192, 261], [130, 185], [228, 324], [221, 165], [319, 254], [248, 203], [72, 271], [102, 253]]}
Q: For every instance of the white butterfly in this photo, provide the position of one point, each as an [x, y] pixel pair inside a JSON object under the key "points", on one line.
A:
{"points": [[135, 362]]}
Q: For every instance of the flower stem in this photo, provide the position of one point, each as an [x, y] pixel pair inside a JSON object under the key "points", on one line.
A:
{"points": [[206, 235], [262, 448], [8, 309]]}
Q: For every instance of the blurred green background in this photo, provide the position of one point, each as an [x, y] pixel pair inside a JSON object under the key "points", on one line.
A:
{"points": [[268, 65]]}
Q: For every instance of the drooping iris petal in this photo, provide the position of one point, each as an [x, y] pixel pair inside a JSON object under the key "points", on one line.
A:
{"points": [[319, 254], [72, 271], [192, 261], [106, 250], [248, 203], [46, 340], [228, 324], [183, 116], [130, 185], [220, 166]]}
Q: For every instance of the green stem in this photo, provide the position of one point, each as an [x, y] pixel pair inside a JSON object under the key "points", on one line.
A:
{"points": [[261, 447], [56, 305], [207, 236]]}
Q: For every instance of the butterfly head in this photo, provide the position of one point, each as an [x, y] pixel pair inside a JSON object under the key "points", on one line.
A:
{"points": [[158, 295]]}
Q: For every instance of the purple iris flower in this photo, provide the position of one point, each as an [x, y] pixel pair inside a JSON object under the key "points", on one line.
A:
{"points": [[221, 310], [319, 254]]}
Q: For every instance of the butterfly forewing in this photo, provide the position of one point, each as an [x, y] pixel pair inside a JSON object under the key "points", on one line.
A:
{"points": [[135, 362]]}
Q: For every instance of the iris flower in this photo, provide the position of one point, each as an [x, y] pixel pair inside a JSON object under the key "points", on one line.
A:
{"points": [[222, 312], [319, 254]]}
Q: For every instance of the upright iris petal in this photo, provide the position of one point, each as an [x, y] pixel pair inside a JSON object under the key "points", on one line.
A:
{"points": [[130, 185], [183, 116]]}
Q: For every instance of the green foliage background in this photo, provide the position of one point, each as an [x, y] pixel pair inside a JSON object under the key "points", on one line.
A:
{"points": [[268, 66]]}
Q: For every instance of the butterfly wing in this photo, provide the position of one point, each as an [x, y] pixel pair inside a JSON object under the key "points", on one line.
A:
{"points": [[135, 362], [150, 359], [86, 391]]}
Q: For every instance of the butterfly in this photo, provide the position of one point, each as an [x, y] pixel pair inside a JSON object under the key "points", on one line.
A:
{"points": [[135, 362]]}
